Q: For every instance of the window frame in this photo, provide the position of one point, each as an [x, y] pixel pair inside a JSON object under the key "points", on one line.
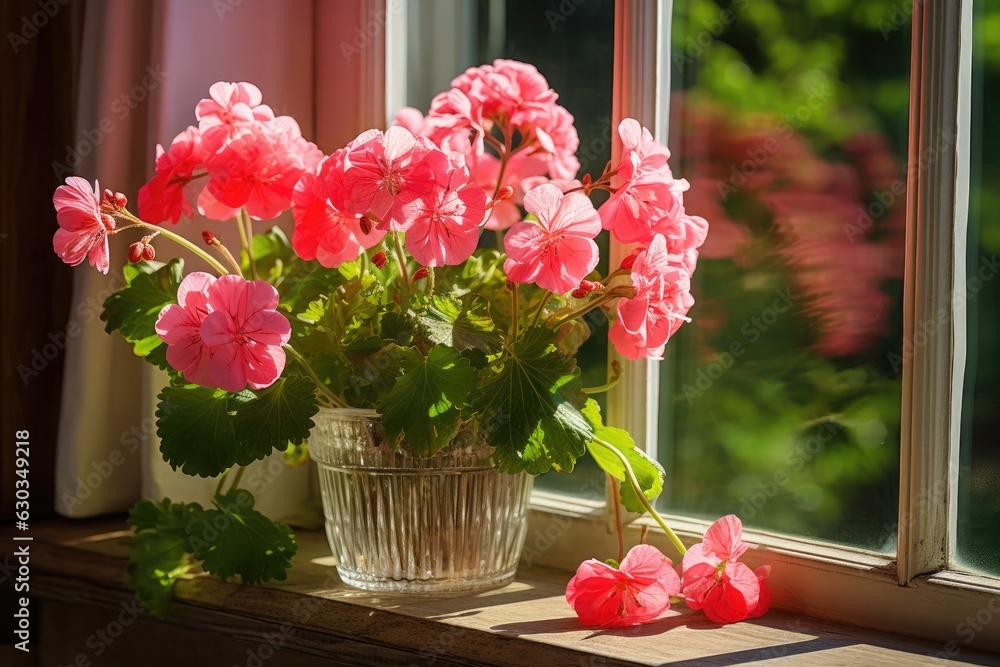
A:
{"points": [[913, 592]]}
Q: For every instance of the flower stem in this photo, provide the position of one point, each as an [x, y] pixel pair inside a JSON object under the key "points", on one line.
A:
{"points": [[237, 478], [613, 293], [336, 400], [177, 238], [630, 475], [541, 308], [246, 236], [618, 518], [222, 480], [514, 315], [401, 258]]}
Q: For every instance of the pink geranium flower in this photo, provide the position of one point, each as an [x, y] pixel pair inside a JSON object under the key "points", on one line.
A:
{"points": [[648, 199], [325, 230], [179, 326], [83, 229], [646, 322], [246, 334], [557, 251], [442, 225], [163, 197], [383, 167], [231, 107], [713, 579], [638, 591], [258, 170]]}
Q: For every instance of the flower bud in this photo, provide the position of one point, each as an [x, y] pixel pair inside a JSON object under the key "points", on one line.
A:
{"points": [[208, 237], [586, 286], [366, 225], [379, 259], [148, 253], [586, 180], [629, 261], [420, 273], [121, 201], [506, 192], [108, 222], [135, 252]]}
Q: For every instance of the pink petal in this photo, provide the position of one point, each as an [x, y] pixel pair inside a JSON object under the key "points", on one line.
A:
{"points": [[725, 604], [543, 201], [740, 577], [725, 538]]}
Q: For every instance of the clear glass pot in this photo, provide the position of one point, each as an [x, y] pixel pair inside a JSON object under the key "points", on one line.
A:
{"points": [[398, 522]]}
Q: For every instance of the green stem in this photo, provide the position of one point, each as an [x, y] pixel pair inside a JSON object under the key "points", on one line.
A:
{"points": [[630, 475], [613, 293], [222, 480], [430, 276], [514, 316], [541, 307], [336, 400], [237, 478], [177, 238], [618, 518], [401, 258], [246, 237], [507, 139]]}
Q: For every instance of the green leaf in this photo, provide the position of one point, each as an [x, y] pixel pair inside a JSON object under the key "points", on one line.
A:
{"points": [[647, 472], [132, 310], [275, 416], [204, 431], [461, 323], [424, 404], [160, 550], [196, 433], [236, 539], [529, 408]]}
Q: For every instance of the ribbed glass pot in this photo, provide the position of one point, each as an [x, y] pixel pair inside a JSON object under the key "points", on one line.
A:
{"points": [[398, 522]]}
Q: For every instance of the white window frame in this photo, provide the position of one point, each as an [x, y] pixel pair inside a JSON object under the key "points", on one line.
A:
{"points": [[914, 592]]}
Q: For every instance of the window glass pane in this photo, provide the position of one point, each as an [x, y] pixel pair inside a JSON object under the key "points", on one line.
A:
{"points": [[979, 472], [572, 45], [780, 401]]}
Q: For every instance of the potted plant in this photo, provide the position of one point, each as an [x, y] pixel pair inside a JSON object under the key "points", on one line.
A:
{"points": [[432, 375]]}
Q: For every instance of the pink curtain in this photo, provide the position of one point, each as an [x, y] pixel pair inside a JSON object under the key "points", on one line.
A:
{"points": [[145, 66]]}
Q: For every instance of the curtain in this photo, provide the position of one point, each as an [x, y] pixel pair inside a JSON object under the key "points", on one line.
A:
{"points": [[145, 66]]}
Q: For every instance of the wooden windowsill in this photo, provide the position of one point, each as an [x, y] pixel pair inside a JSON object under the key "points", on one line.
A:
{"points": [[312, 619]]}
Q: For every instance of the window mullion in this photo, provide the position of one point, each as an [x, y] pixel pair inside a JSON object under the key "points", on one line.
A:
{"points": [[641, 91], [933, 321]]}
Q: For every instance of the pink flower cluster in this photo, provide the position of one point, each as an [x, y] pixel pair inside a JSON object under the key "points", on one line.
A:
{"points": [[639, 590], [507, 96], [389, 181], [225, 333], [251, 159]]}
